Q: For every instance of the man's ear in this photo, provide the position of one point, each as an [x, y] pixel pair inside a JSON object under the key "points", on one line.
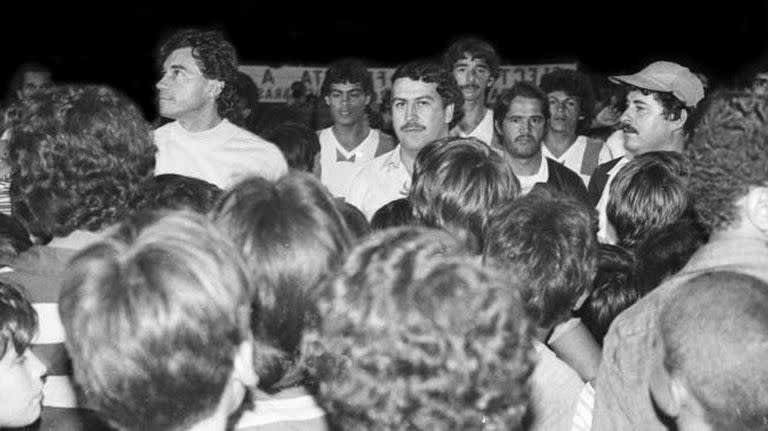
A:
{"points": [[491, 81], [215, 88], [243, 371], [367, 100], [756, 206], [498, 129], [449, 113], [678, 123], [327, 100]]}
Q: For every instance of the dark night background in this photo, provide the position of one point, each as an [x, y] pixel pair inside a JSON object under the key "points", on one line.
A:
{"points": [[113, 43]]}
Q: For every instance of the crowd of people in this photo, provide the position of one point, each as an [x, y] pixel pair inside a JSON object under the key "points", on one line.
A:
{"points": [[548, 261]]}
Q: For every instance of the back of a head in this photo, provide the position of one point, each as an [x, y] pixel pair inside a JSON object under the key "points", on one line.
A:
{"points": [[14, 237], [648, 193], [728, 155], [299, 144], [548, 241], [416, 333], [354, 218], [457, 182], [177, 192], [613, 290], [714, 330], [394, 214], [18, 320], [79, 156], [155, 313], [292, 235]]}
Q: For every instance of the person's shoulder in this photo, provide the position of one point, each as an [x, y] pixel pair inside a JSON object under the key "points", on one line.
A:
{"points": [[386, 144], [562, 170]]}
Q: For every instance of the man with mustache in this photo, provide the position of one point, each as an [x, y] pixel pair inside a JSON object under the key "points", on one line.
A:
{"points": [[661, 106], [197, 90], [571, 99], [475, 66], [424, 97], [522, 114]]}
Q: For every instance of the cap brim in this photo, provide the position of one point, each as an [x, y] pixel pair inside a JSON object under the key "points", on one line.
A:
{"points": [[639, 82]]}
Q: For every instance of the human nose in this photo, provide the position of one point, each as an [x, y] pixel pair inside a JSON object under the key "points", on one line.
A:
{"points": [[161, 83], [410, 111], [626, 117]]}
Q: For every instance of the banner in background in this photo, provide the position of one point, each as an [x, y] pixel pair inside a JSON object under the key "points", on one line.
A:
{"points": [[275, 83]]}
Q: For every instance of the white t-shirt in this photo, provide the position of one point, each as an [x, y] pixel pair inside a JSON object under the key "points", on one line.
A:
{"points": [[380, 181], [483, 131], [573, 157], [221, 155], [555, 391], [541, 176], [338, 166]]}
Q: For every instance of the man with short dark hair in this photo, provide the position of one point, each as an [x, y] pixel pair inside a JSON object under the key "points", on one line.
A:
{"points": [[661, 106], [424, 98], [350, 143], [28, 80], [197, 89], [475, 66], [732, 202], [522, 115]]}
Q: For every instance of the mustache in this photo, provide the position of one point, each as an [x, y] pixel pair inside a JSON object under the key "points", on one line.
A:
{"points": [[412, 127], [626, 128], [522, 137], [470, 85]]}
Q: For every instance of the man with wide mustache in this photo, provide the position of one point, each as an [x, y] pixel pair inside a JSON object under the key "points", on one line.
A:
{"points": [[424, 97], [661, 107]]}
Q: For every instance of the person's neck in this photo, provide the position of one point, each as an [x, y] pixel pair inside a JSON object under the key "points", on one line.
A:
{"points": [[558, 142], [528, 166], [407, 158], [474, 112], [76, 240], [201, 121], [740, 229], [351, 135], [217, 421]]}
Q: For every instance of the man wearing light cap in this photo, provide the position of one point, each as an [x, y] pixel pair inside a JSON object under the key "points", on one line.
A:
{"points": [[661, 103]]}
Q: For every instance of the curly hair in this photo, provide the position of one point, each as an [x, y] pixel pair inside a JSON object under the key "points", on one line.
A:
{"points": [[217, 59], [417, 336], [347, 70], [78, 156], [548, 242], [457, 181], [476, 48], [292, 235], [728, 154], [177, 192], [434, 73], [574, 84], [18, 319]]}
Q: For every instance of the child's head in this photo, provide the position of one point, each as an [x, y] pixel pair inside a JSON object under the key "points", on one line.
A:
{"points": [[21, 384]]}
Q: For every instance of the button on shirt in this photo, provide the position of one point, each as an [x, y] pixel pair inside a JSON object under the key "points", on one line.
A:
{"points": [[382, 180]]}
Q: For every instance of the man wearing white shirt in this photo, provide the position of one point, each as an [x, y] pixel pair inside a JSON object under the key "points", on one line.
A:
{"points": [[571, 98], [424, 96], [197, 91], [661, 103], [350, 143], [475, 66]]}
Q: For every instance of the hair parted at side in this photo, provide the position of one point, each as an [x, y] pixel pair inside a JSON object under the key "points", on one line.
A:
{"points": [[347, 70], [79, 155], [154, 314], [549, 242], [292, 235], [415, 332], [434, 73], [18, 320], [574, 84], [217, 59], [476, 48], [714, 329], [523, 89], [728, 154], [457, 182]]}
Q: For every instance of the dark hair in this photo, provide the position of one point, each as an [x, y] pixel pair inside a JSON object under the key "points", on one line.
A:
{"points": [[520, 89], [396, 213], [613, 290], [548, 242], [78, 157], [18, 320], [714, 332], [292, 235], [457, 181], [476, 48], [299, 144], [217, 59], [14, 238], [414, 332], [649, 192], [17, 80], [434, 73], [348, 70], [155, 314], [356, 222], [665, 251], [175, 192], [574, 84], [728, 154]]}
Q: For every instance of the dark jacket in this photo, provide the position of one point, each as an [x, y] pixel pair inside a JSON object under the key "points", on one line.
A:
{"points": [[566, 181], [598, 181]]}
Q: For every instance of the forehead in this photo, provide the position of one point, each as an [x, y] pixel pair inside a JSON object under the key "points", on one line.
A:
{"points": [[407, 88], [181, 57], [468, 59], [636, 96], [525, 106], [346, 86], [561, 95], [36, 77], [761, 75]]}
